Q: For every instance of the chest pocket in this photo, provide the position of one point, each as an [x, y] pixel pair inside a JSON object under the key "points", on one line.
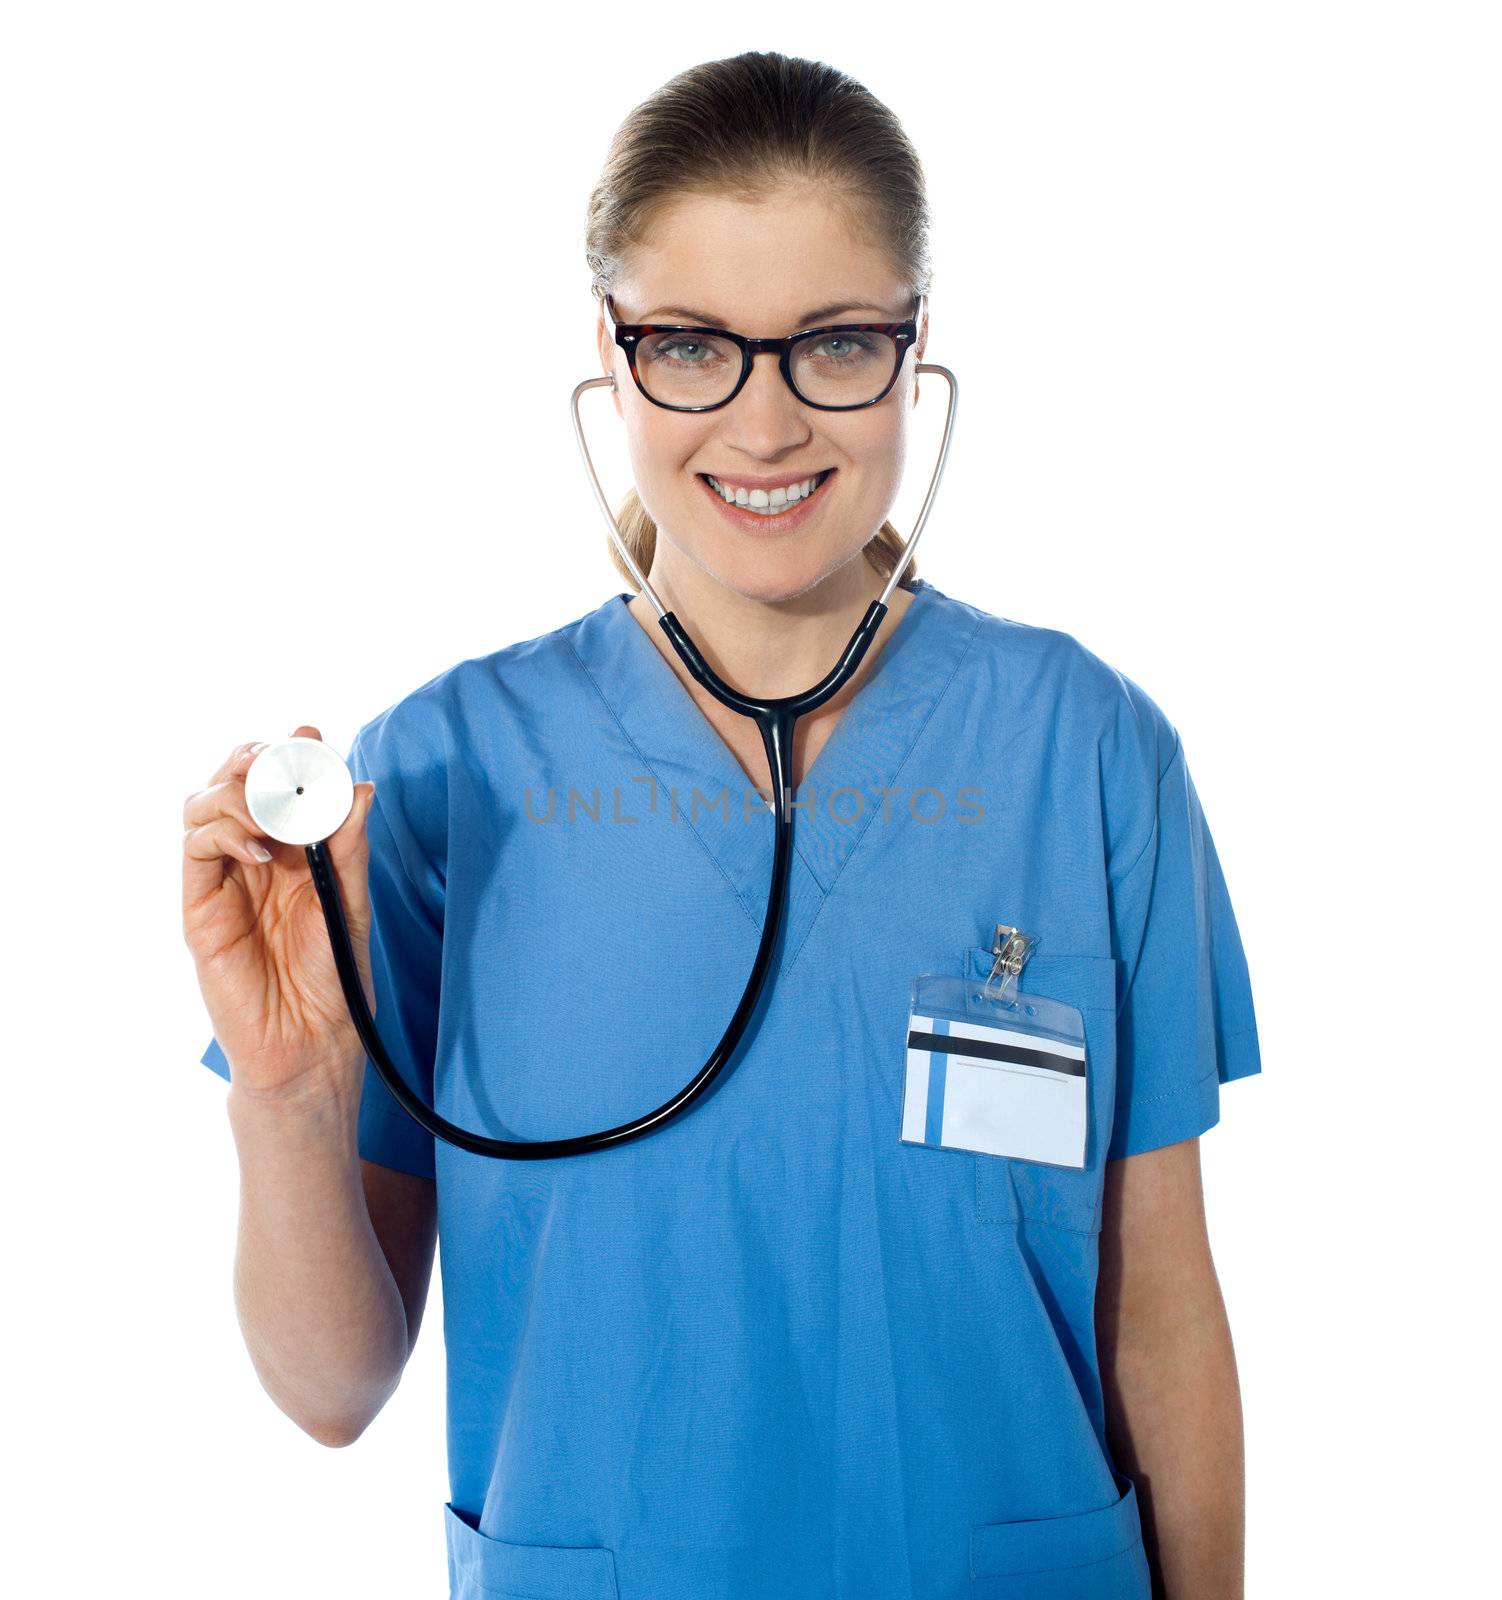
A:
{"points": [[1009, 1189]]}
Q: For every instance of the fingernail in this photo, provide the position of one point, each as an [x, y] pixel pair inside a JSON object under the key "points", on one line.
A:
{"points": [[259, 851]]}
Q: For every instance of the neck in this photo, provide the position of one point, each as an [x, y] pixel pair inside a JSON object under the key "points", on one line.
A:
{"points": [[768, 648]]}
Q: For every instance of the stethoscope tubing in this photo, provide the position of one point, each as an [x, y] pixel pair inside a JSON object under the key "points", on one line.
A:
{"points": [[776, 720], [542, 1149]]}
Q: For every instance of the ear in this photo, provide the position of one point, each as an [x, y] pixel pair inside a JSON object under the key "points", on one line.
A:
{"points": [[608, 349], [920, 344]]}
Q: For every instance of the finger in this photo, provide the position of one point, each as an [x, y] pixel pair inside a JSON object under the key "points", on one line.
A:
{"points": [[225, 799], [243, 754], [224, 836], [240, 757], [240, 763], [206, 849], [210, 801]]}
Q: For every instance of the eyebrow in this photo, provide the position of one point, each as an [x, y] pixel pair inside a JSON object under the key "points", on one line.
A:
{"points": [[807, 320]]}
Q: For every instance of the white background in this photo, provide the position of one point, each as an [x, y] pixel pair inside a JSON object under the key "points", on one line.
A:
{"points": [[1221, 288]]}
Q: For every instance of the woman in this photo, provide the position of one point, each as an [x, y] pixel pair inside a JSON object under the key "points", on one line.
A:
{"points": [[772, 1348]]}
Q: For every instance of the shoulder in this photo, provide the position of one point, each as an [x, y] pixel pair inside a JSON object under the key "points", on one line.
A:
{"points": [[1094, 712], [447, 738], [470, 704], [1063, 678]]}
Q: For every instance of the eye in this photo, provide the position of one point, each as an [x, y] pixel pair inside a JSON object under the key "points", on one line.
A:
{"points": [[683, 351], [840, 349]]}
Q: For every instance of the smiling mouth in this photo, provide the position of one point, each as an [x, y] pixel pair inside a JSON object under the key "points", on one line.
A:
{"points": [[767, 507]]}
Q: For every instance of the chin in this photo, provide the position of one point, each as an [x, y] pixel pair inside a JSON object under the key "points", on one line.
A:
{"points": [[766, 573]]}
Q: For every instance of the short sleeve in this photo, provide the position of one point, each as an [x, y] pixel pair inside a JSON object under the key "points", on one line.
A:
{"points": [[1186, 1023], [406, 944]]}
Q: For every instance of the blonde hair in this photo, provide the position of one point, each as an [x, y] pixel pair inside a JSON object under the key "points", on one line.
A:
{"points": [[746, 126]]}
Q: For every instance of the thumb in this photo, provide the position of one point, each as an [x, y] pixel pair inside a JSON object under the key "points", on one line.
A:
{"points": [[349, 855], [349, 842]]}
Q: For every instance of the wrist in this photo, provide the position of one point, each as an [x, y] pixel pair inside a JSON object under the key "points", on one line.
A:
{"points": [[322, 1109]]}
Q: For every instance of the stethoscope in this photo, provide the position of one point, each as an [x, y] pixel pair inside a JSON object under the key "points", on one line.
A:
{"points": [[300, 791]]}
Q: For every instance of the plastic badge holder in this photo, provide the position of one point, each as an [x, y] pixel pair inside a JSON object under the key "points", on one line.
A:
{"points": [[995, 1070]]}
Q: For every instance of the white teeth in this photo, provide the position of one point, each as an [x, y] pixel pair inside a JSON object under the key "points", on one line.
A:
{"points": [[769, 503]]}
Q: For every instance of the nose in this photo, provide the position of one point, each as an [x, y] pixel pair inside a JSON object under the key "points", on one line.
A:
{"points": [[766, 418]]}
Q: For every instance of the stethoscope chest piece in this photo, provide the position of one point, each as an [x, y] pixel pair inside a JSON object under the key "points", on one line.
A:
{"points": [[299, 791]]}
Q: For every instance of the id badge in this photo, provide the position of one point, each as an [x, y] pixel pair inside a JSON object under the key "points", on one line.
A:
{"points": [[994, 1070]]}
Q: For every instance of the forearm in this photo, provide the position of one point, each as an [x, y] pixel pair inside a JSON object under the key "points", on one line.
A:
{"points": [[321, 1314], [1174, 1418]]}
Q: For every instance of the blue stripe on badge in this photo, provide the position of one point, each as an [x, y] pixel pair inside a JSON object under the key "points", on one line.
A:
{"points": [[938, 1062]]}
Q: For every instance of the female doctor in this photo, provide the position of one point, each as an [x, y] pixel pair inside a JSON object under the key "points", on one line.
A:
{"points": [[773, 1348]]}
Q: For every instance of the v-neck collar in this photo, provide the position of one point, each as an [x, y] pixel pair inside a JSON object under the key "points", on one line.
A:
{"points": [[864, 752]]}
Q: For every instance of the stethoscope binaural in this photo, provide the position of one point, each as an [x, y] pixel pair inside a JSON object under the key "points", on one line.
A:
{"points": [[300, 791]]}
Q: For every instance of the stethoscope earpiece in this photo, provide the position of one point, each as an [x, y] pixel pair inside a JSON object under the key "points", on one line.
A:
{"points": [[299, 791]]}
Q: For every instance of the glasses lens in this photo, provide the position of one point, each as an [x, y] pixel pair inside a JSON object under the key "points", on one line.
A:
{"points": [[843, 369], [687, 369], [829, 369]]}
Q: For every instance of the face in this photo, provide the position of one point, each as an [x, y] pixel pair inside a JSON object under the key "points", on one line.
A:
{"points": [[759, 269]]}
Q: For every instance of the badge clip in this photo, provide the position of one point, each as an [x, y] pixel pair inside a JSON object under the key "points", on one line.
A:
{"points": [[1011, 948]]}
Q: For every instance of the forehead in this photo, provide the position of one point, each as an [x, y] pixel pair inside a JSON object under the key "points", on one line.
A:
{"points": [[758, 265]]}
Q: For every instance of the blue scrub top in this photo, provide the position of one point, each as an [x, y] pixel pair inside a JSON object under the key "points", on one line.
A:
{"points": [[772, 1350]]}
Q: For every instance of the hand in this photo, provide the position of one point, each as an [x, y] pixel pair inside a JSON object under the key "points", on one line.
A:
{"points": [[261, 946]]}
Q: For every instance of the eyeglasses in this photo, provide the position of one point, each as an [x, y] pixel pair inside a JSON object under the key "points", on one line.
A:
{"points": [[838, 368]]}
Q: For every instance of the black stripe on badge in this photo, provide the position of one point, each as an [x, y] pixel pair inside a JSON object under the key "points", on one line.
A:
{"points": [[949, 1044]]}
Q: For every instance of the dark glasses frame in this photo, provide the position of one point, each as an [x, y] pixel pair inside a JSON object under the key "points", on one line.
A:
{"points": [[629, 334]]}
